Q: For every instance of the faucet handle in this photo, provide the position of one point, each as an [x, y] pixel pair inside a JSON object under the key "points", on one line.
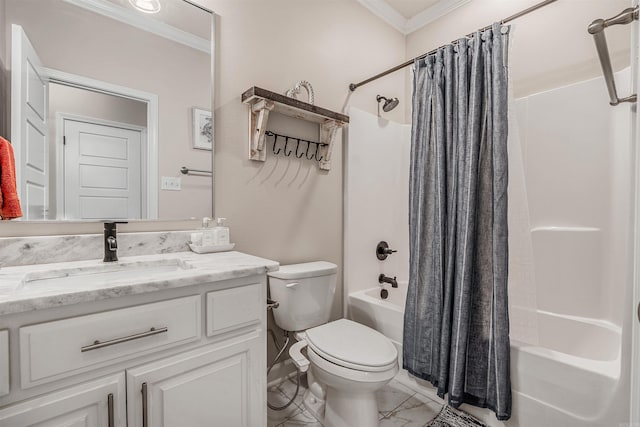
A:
{"points": [[112, 243], [382, 250]]}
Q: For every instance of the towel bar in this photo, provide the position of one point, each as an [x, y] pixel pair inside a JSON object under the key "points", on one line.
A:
{"points": [[596, 29], [187, 171]]}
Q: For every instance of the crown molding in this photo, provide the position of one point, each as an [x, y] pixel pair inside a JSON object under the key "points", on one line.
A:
{"points": [[432, 13], [151, 25], [388, 14], [406, 26]]}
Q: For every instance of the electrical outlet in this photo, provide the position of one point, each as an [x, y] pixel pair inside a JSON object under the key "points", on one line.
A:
{"points": [[171, 183]]}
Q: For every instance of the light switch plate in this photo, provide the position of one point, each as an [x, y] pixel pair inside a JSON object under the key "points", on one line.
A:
{"points": [[171, 183]]}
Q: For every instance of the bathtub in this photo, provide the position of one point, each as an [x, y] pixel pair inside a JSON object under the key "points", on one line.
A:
{"points": [[568, 378]]}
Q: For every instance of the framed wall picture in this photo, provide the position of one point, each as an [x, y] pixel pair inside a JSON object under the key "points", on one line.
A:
{"points": [[202, 129]]}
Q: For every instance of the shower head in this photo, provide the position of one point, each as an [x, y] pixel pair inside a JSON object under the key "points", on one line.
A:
{"points": [[389, 103]]}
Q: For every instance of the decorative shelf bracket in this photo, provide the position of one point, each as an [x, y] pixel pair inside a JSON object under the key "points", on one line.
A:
{"points": [[328, 131], [258, 119], [261, 102]]}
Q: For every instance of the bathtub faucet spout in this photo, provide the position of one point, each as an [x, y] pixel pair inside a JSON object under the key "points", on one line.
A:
{"points": [[385, 279]]}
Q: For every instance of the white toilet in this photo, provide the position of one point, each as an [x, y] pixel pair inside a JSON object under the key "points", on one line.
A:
{"points": [[348, 361]]}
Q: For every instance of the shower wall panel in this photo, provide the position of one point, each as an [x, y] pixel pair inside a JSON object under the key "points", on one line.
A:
{"points": [[577, 163], [376, 199]]}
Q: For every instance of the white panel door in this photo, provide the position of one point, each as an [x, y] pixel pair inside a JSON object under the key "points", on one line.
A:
{"points": [[211, 386], [29, 133], [102, 173], [84, 405]]}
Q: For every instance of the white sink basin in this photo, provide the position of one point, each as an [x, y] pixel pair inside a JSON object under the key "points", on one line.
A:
{"points": [[102, 274]]}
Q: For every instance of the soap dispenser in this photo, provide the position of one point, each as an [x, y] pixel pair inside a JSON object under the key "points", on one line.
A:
{"points": [[208, 238], [221, 233]]}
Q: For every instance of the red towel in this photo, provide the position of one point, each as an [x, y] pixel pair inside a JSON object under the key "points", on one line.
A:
{"points": [[9, 202]]}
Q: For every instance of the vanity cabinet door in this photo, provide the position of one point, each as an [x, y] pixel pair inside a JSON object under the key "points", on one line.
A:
{"points": [[218, 385], [99, 403]]}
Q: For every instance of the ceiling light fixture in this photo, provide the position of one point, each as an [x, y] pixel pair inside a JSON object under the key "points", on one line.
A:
{"points": [[146, 6]]}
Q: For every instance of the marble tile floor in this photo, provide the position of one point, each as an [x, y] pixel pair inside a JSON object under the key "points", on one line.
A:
{"points": [[398, 405]]}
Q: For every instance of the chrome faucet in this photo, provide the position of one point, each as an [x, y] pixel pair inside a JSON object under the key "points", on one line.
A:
{"points": [[110, 241], [386, 279]]}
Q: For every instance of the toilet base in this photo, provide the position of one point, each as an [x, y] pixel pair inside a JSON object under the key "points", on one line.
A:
{"points": [[314, 405], [350, 398], [313, 399], [348, 409]]}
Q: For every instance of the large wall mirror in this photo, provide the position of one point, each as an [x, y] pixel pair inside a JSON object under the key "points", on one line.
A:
{"points": [[108, 101]]}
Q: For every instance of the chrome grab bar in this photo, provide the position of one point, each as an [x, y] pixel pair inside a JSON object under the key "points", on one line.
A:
{"points": [[97, 344], [596, 29]]}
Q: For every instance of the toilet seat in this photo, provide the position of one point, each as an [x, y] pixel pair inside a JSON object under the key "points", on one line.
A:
{"points": [[353, 346], [355, 375]]}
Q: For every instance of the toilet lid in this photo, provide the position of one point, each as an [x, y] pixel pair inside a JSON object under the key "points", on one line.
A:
{"points": [[352, 345]]}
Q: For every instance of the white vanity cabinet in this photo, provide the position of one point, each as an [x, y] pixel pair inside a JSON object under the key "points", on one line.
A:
{"points": [[210, 386], [99, 403], [193, 356]]}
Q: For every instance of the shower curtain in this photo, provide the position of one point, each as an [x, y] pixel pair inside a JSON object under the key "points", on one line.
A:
{"points": [[456, 325]]}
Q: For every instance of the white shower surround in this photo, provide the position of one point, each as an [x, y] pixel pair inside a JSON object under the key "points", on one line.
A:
{"points": [[561, 383], [568, 290]]}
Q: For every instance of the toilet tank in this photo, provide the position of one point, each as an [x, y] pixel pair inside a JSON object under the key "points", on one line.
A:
{"points": [[305, 294]]}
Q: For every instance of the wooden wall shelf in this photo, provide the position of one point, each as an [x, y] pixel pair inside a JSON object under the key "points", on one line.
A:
{"points": [[261, 102]]}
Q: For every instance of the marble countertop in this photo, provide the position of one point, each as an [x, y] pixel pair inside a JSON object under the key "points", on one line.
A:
{"points": [[41, 286]]}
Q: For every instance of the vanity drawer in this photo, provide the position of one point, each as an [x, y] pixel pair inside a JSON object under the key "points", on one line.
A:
{"points": [[234, 308], [53, 350]]}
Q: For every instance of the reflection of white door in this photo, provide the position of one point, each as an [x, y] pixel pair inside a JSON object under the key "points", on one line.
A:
{"points": [[102, 172], [29, 93]]}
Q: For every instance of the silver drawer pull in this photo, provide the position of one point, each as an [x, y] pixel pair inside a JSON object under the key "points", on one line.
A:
{"points": [[145, 408], [110, 410], [97, 344]]}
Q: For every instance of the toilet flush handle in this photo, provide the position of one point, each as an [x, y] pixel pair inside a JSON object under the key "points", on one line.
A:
{"points": [[301, 362], [292, 284]]}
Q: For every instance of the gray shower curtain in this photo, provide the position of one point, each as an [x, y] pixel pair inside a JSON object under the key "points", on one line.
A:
{"points": [[456, 324]]}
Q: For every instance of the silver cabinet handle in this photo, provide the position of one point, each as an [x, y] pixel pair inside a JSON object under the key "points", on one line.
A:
{"points": [[97, 344], [110, 409], [145, 417]]}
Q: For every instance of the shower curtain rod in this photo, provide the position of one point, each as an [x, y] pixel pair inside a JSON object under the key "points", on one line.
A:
{"points": [[354, 86]]}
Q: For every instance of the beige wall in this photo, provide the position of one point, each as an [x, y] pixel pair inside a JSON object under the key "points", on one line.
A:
{"points": [[289, 210], [95, 105], [550, 46]]}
